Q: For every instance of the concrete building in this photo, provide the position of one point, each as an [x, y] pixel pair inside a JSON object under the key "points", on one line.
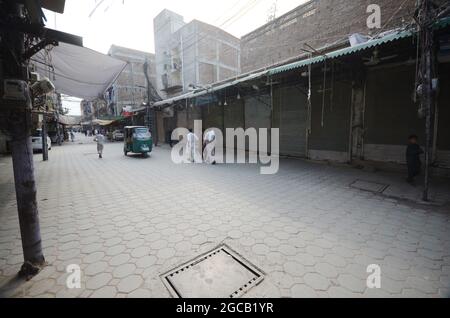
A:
{"points": [[319, 23], [130, 89], [361, 110], [192, 54]]}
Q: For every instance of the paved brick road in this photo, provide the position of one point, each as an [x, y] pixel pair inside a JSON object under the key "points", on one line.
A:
{"points": [[126, 221]]}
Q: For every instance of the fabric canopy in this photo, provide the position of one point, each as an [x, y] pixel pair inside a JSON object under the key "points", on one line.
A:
{"points": [[78, 71], [68, 120], [103, 122]]}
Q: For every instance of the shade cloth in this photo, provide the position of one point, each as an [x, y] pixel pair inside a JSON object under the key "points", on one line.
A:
{"points": [[78, 71]]}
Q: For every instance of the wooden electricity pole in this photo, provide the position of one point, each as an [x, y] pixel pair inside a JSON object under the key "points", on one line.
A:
{"points": [[19, 128], [152, 97], [18, 18], [426, 19]]}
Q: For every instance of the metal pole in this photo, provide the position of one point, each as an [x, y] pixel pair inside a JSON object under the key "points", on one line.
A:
{"points": [[427, 86], [151, 113], [44, 138], [22, 152], [428, 124]]}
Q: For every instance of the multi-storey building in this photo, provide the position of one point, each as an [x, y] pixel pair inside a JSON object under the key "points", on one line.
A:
{"points": [[130, 88], [190, 55]]}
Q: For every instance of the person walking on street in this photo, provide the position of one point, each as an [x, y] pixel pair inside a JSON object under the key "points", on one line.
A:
{"points": [[100, 139], [413, 153], [72, 136], [209, 152], [192, 145]]}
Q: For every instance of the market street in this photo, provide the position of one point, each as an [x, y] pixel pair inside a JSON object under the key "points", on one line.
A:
{"points": [[127, 220]]}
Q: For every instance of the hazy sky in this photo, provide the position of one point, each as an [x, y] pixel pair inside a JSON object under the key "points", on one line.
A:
{"points": [[129, 23]]}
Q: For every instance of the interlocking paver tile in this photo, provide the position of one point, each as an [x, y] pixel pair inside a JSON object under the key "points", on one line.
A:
{"points": [[105, 292], [95, 268], [294, 269], [130, 283], [312, 234], [98, 281], [352, 283], [303, 291], [317, 281], [124, 270]]}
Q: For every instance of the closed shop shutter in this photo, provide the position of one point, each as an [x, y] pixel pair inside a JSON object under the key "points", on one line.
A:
{"points": [[258, 113], [234, 116], [443, 133], [213, 117], [390, 114], [169, 124], [330, 141], [194, 113], [290, 116], [181, 119]]}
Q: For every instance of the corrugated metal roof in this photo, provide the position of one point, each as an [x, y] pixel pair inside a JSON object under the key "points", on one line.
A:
{"points": [[442, 23], [342, 52], [394, 36], [210, 90]]}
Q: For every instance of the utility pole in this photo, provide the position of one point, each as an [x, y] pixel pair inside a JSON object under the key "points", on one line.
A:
{"points": [[19, 128], [426, 19], [152, 96], [44, 137]]}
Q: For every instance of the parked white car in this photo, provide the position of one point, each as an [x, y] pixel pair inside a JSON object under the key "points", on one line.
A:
{"points": [[36, 141], [118, 135]]}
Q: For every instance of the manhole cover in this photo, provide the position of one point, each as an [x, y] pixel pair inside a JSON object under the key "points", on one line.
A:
{"points": [[369, 186], [221, 273]]}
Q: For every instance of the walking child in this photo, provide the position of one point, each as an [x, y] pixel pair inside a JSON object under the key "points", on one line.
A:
{"points": [[413, 153]]}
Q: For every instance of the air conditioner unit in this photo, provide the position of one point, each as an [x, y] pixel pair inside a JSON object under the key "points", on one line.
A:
{"points": [[16, 90], [34, 77]]}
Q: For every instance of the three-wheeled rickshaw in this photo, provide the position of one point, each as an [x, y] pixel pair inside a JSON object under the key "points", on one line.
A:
{"points": [[138, 140]]}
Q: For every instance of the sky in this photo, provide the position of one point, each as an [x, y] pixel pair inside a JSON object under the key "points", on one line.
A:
{"points": [[129, 23]]}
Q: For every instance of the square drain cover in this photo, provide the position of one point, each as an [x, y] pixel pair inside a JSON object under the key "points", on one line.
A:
{"points": [[221, 273], [369, 186]]}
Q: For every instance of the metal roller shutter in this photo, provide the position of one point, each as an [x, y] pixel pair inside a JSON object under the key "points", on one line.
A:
{"points": [[290, 115], [258, 113], [330, 141], [390, 114], [194, 113], [213, 117], [181, 119], [234, 116]]}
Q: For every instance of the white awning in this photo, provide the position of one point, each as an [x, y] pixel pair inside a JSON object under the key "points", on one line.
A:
{"points": [[78, 71], [68, 120]]}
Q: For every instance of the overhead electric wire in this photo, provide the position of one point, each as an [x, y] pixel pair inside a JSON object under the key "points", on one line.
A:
{"points": [[392, 17], [235, 17], [250, 4]]}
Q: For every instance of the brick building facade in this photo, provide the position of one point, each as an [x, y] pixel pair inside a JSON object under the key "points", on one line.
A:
{"points": [[318, 23]]}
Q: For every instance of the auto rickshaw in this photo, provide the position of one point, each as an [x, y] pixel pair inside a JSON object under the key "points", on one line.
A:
{"points": [[137, 140]]}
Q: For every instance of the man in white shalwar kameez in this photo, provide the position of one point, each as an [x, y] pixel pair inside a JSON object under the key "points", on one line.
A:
{"points": [[209, 151], [100, 139], [191, 146]]}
